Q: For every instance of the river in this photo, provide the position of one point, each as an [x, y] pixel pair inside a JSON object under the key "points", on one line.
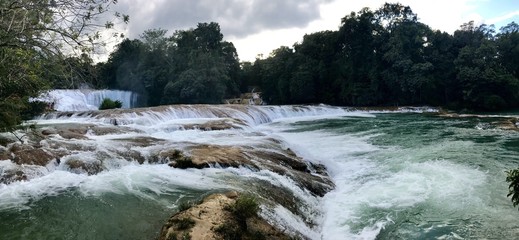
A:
{"points": [[406, 174]]}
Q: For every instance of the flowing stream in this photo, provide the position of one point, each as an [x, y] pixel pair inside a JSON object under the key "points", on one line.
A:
{"points": [[405, 174]]}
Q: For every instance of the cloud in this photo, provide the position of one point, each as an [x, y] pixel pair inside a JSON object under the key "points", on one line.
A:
{"points": [[237, 18], [503, 18]]}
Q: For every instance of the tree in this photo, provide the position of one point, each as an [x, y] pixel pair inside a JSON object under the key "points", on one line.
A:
{"points": [[508, 48], [205, 68], [53, 27], [360, 37], [486, 84], [32, 33], [204, 82], [513, 189]]}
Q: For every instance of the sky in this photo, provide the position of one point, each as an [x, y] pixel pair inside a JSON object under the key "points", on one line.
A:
{"points": [[259, 26]]}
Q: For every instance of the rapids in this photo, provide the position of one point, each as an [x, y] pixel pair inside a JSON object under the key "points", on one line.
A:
{"points": [[402, 174]]}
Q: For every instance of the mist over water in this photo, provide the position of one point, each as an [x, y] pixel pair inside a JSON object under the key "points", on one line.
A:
{"points": [[403, 175]]}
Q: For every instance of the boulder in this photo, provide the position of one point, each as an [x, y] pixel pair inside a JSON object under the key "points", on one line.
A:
{"points": [[91, 168], [205, 221], [32, 157]]}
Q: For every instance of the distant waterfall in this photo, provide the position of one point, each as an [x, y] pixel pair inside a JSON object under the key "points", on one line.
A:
{"points": [[86, 99]]}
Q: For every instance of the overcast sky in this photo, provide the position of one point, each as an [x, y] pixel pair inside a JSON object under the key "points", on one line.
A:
{"points": [[260, 26]]}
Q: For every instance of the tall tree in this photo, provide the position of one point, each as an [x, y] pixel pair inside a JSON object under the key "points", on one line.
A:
{"points": [[35, 32]]}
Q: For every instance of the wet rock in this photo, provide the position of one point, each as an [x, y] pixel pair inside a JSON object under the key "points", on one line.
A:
{"points": [[4, 153], [72, 134], [132, 155], [225, 156], [141, 141], [310, 177], [32, 157], [4, 141], [106, 130], [16, 147], [290, 160], [91, 168], [11, 176], [215, 125], [49, 131], [507, 124]]}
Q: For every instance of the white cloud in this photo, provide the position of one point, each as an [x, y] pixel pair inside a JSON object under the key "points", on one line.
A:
{"points": [[255, 30], [444, 15], [503, 18]]}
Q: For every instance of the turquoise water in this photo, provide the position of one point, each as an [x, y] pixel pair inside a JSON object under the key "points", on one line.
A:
{"points": [[397, 176], [412, 176]]}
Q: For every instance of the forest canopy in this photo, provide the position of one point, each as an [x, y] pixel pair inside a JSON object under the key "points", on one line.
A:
{"points": [[382, 57]]}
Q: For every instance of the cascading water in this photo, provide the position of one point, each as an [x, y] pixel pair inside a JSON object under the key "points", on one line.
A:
{"points": [[86, 99], [402, 174]]}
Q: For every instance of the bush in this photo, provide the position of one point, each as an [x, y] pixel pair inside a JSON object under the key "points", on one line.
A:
{"points": [[245, 207], [513, 189], [184, 223], [110, 104]]}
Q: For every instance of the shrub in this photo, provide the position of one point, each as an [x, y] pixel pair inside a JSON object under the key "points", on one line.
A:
{"points": [[110, 104], [513, 189], [245, 207], [184, 223], [183, 206]]}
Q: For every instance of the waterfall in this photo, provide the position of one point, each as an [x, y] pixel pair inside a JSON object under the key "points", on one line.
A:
{"points": [[86, 99], [247, 114]]}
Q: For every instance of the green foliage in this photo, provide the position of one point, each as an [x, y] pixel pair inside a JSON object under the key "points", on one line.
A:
{"points": [[191, 66], [513, 189], [184, 223], [183, 206], [33, 109], [387, 57], [245, 207], [34, 37], [110, 104], [376, 57]]}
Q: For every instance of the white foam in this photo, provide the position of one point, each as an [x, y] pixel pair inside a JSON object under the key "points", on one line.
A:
{"points": [[366, 185], [85, 99], [146, 181]]}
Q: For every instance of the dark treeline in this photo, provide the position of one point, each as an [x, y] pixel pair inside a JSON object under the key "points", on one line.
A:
{"points": [[191, 66], [387, 57], [383, 57]]}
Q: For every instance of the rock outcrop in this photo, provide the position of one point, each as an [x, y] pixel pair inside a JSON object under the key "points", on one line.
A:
{"points": [[212, 219]]}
